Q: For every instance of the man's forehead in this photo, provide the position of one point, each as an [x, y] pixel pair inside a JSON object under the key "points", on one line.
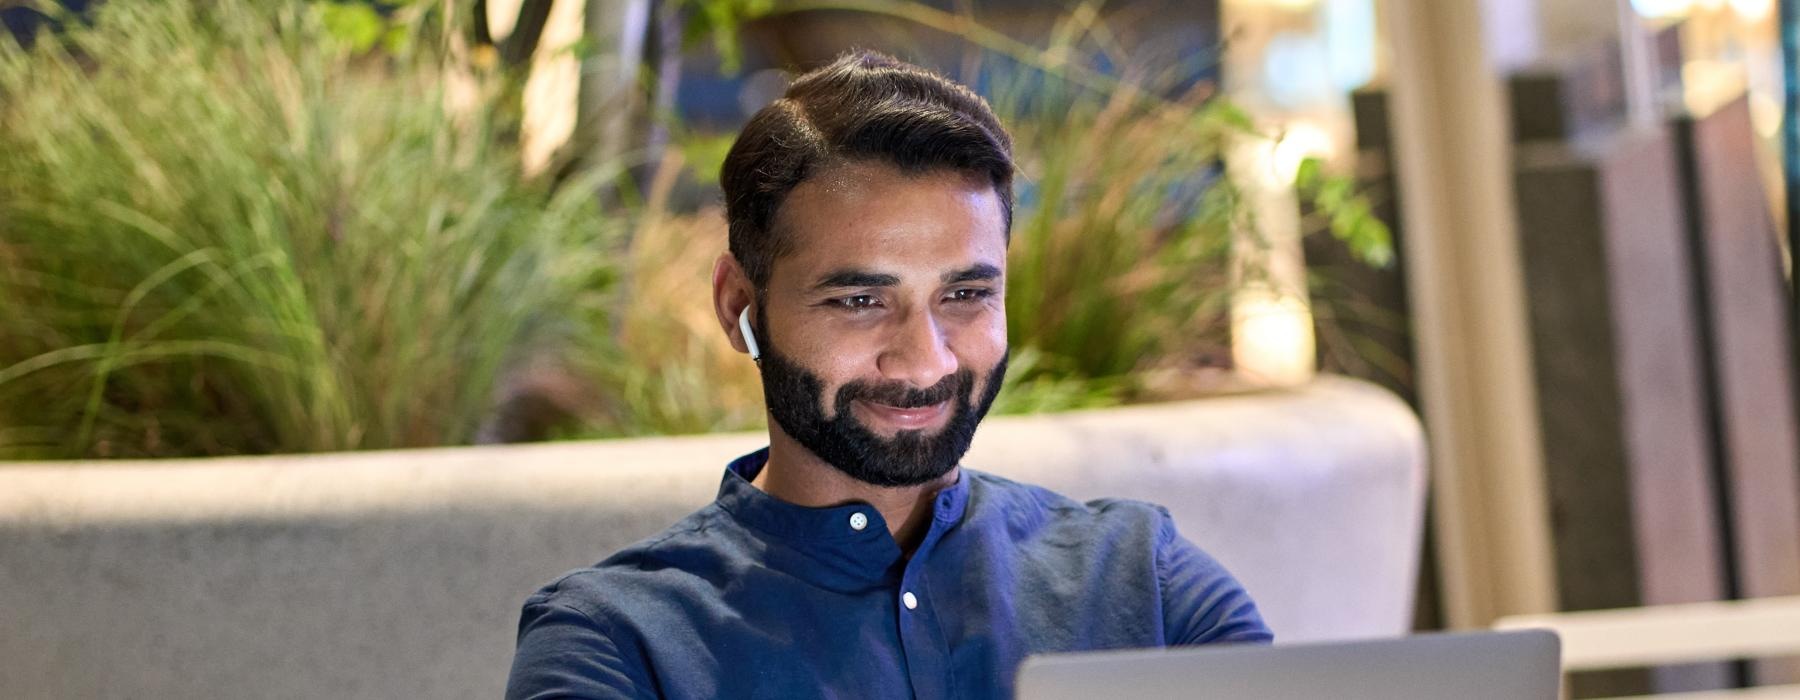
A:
{"points": [[854, 188], [871, 218]]}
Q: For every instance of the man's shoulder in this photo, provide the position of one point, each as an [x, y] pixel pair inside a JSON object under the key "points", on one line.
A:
{"points": [[586, 633], [1028, 507], [1133, 544]]}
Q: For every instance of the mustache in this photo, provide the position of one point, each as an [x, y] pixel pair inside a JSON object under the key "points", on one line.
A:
{"points": [[900, 395]]}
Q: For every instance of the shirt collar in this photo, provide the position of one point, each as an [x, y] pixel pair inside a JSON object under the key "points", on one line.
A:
{"points": [[829, 528]]}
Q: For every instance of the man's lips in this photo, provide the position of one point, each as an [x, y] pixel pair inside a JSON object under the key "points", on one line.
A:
{"points": [[906, 418]]}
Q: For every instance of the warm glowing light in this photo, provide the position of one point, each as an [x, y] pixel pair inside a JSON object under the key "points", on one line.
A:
{"points": [[1708, 84], [1660, 9], [1765, 115], [501, 16], [1271, 326], [1272, 338], [1301, 140], [1753, 10], [552, 89], [1282, 4]]}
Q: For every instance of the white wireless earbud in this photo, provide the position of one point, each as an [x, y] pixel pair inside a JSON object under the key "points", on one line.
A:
{"points": [[749, 337]]}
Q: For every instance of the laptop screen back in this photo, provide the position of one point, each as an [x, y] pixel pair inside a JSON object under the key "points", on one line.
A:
{"points": [[1521, 665]]}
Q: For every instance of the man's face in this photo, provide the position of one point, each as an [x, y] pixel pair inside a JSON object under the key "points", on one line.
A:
{"points": [[884, 329]]}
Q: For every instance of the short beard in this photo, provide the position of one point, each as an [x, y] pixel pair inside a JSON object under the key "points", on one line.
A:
{"points": [[795, 399]]}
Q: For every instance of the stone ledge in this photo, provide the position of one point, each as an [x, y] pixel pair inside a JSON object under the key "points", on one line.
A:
{"points": [[399, 573]]}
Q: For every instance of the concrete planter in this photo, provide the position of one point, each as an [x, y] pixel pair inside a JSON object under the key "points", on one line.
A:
{"points": [[399, 574]]}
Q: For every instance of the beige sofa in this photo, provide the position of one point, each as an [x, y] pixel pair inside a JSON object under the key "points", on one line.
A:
{"points": [[399, 574]]}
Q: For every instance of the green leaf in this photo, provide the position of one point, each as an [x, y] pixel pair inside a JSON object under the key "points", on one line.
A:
{"points": [[584, 48], [356, 25], [1226, 113], [705, 155], [1311, 171], [720, 20], [396, 40]]}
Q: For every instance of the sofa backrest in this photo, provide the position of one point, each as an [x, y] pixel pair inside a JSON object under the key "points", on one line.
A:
{"points": [[400, 574]]}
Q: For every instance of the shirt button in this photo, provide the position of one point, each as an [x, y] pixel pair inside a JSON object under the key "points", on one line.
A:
{"points": [[910, 600], [858, 521]]}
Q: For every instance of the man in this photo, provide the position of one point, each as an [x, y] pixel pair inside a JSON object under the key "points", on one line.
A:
{"points": [[869, 211]]}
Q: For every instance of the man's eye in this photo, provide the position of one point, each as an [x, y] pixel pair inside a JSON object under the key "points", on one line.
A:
{"points": [[971, 294], [860, 301]]}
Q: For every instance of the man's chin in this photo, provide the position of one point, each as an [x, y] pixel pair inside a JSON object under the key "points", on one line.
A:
{"points": [[897, 459]]}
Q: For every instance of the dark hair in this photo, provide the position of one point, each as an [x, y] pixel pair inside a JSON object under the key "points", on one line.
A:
{"points": [[864, 106]]}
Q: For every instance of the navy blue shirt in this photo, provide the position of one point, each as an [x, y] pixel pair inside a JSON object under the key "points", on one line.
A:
{"points": [[758, 598]]}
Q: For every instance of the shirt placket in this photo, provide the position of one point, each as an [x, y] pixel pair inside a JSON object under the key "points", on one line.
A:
{"points": [[921, 637]]}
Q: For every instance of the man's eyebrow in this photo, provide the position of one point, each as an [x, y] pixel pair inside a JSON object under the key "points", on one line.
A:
{"points": [[856, 278], [977, 273]]}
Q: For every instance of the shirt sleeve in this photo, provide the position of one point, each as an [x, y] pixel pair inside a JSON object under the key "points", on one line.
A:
{"points": [[1202, 602], [564, 654]]}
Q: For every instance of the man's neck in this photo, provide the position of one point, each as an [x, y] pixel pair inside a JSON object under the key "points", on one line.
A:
{"points": [[795, 475]]}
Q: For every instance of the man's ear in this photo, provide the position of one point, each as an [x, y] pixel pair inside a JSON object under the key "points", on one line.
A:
{"points": [[732, 293]]}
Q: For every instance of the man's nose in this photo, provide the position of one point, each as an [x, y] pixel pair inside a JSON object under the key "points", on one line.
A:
{"points": [[918, 352]]}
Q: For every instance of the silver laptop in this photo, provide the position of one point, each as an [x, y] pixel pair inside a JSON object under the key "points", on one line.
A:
{"points": [[1521, 665]]}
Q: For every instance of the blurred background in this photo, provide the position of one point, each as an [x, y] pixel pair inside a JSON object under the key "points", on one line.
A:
{"points": [[1555, 228]]}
